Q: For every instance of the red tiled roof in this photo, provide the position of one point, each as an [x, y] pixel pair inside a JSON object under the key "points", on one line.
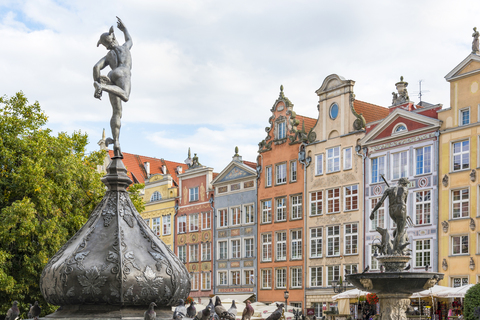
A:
{"points": [[309, 122], [252, 165], [370, 112], [136, 170]]}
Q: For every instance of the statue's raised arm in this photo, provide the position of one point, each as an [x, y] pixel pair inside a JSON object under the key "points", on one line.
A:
{"points": [[117, 82]]}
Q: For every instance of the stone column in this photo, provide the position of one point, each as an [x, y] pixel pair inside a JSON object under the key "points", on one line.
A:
{"points": [[393, 306]]}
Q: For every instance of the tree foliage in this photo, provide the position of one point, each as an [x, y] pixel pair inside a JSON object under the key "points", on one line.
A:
{"points": [[471, 303], [48, 187]]}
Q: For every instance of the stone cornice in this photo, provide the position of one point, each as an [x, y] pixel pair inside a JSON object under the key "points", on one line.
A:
{"points": [[402, 142]]}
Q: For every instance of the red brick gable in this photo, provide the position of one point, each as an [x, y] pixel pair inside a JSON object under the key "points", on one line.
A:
{"points": [[136, 170], [411, 125]]}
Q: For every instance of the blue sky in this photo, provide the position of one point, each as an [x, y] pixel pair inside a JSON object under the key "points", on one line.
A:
{"points": [[206, 73]]}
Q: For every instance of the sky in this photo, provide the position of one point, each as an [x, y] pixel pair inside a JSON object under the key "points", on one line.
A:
{"points": [[207, 72]]}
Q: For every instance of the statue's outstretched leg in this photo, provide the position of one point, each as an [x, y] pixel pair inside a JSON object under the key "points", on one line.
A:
{"points": [[115, 123]]}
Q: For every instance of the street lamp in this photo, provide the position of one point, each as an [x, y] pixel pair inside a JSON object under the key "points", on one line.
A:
{"points": [[285, 295], [339, 286]]}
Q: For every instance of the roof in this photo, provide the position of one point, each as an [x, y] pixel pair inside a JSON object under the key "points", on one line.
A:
{"points": [[214, 175], [252, 165], [309, 122], [370, 112], [136, 170]]}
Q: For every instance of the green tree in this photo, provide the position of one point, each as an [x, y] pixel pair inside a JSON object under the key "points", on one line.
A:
{"points": [[471, 302], [48, 187]]}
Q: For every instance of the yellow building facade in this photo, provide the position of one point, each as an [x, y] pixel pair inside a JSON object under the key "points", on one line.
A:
{"points": [[159, 199], [459, 215]]}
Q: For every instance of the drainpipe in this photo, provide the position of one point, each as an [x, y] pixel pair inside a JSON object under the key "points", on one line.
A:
{"points": [[358, 148], [437, 160], [214, 278], [305, 161], [259, 171]]}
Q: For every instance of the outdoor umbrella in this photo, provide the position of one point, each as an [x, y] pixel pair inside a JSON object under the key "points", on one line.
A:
{"points": [[458, 292], [350, 294], [433, 291]]}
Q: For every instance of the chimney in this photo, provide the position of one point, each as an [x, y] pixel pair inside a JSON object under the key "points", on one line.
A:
{"points": [[179, 169], [164, 169], [147, 168]]}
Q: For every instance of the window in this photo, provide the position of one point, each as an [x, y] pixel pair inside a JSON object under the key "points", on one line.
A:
{"points": [[464, 116], [318, 307], [423, 206], [373, 261], [235, 278], [399, 165], [333, 159], [167, 226], [347, 158], [296, 244], [399, 128], [378, 169], [223, 215], [350, 268], [267, 211], [293, 171], [206, 280], [281, 209], [281, 173], [333, 200], [236, 252], [267, 247], [236, 216], [281, 246], [222, 250], [222, 278], [460, 203], [316, 235], [422, 253], [281, 278], [156, 226], [156, 196], [334, 111], [182, 253], [281, 132], [424, 160], [268, 176], [266, 278], [182, 224], [296, 206], [194, 253], [193, 194], [351, 197], [316, 276], [459, 282], [351, 238], [333, 241], [206, 252], [193, 222], [249, 217], [296, 277], [206, 220], [333, 273], [316, 203], [249, 248], [379, 216], [461, 155], [460, 245], [319, 164], [249, 277], [194, 280]]}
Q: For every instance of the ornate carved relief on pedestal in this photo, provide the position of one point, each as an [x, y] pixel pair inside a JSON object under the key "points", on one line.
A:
{"points": [[444, 265], [394, 308], [367, 284], [445, 226]]}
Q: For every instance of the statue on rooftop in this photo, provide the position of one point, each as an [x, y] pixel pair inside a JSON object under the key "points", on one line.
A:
{"points": [[118, 81], [475, 42]]}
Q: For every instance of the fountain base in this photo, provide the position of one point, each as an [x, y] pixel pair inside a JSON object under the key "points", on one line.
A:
{"points": [[107, 312], [393, 306]]}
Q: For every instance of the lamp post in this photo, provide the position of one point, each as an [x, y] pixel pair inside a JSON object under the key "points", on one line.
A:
{"points": [[339, 286], [285, 295]]}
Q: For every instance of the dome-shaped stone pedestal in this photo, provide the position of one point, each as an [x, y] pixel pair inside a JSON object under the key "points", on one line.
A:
{"points": [[114, 266]]}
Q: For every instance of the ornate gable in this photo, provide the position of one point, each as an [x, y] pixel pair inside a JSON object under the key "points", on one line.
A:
{"points": [[469, 66]]}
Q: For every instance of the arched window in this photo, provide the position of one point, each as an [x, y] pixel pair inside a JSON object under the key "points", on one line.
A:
{"points": [[399, 128], [156, 196]]}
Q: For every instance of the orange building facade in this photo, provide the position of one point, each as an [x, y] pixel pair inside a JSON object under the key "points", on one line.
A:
{"points": [[281, 206]]}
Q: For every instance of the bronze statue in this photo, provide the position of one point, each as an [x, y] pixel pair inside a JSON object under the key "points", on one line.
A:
{"points": [[118, 81], [397, 208]]}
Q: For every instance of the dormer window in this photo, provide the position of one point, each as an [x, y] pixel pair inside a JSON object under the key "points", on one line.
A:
{"points": [[281, 130], [334, 111], [400, 128], [156, 196]]}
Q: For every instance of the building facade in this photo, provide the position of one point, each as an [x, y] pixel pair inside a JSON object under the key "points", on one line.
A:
{"points": [[459, 215], [281, 205], [404, 145], [235, 226], [334, 182], [194, 227]]}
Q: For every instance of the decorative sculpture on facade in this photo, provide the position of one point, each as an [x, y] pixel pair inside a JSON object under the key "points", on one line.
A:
{"points": [[445, 226], [445, 180], [472, 224], [473, 175], [360, 122], [401, 96], [117, 83], [475, 42], [444, 265]]}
